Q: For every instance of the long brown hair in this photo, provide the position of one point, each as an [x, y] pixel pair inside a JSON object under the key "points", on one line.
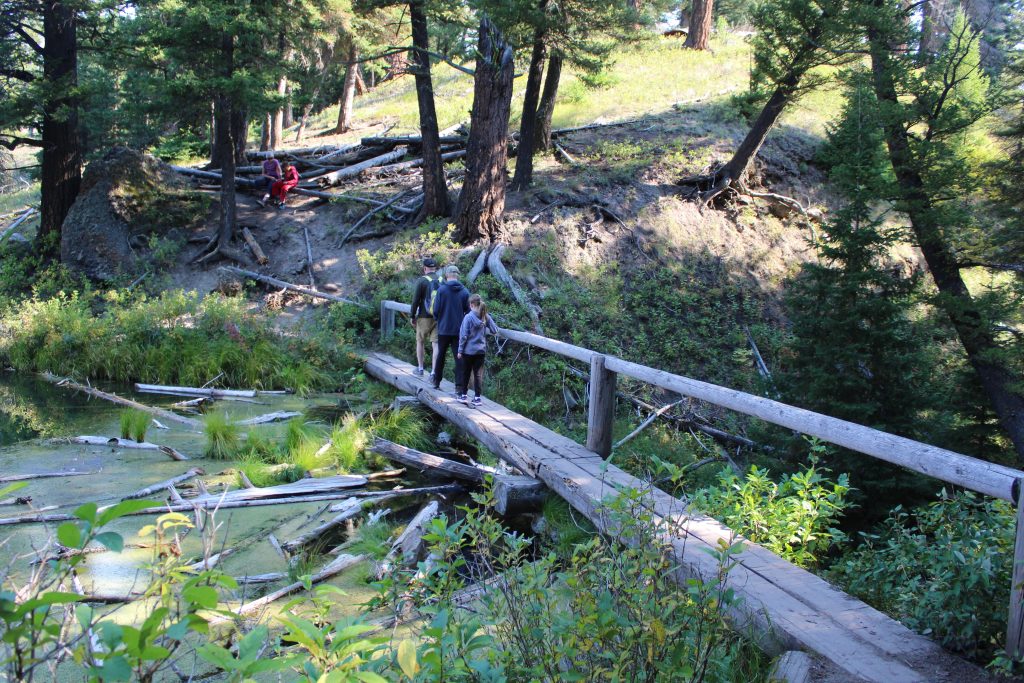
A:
{"points": [[476, 299]]}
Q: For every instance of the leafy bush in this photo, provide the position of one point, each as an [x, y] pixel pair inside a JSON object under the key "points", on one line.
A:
{"points": [[793, 518], [944, 569]]}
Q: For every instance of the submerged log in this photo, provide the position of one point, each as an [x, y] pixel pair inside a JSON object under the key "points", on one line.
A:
{"points": [[211, 561], [427, 462], [410, 543], [336, 566], [42, 475], [296, 488], [350, 509], [266, 279], [114, 442], [194, 391], [114, 398], [165, 485], [272, 577], [278, 416]]}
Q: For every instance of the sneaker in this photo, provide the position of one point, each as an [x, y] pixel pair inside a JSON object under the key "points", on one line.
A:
{"points": [[463, 398], [261, 202], [430, 377], [418, 372], [477, 401], [437, 387], [280, 205]]}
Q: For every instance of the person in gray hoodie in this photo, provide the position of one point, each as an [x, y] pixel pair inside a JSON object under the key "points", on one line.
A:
{"points": [[473, 347]]}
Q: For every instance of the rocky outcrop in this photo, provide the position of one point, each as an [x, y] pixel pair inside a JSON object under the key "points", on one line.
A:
{"points": [[126, 198]]}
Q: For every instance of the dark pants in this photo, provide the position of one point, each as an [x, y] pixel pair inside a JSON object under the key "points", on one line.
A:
{"points": [[444, 342], [473, 372]]}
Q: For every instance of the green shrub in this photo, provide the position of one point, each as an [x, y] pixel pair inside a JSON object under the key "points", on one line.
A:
{"points": [[222, 441], [793, 518], [944, 569]]}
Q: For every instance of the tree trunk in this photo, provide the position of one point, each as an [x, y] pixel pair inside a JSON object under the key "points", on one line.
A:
{"points": [[964, 313], [348, 94], [547, 101], [435, 189], [277, 121], [239, 132], [700, 25], [62, 158], [265, 132], [763, 124], [303, 121], [482, 200], [289, 113], [360, 83], [528, 125], [226, 118]]}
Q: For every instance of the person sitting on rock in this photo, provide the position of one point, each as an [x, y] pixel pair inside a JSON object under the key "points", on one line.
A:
{"points": [[271, 174], [281, 187]]}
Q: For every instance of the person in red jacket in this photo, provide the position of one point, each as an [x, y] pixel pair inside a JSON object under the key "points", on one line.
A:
{"points": [[281, 187]]}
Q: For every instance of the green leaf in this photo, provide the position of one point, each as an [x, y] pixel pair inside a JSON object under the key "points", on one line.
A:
{"points": [[370, 677], [123, 508], [69, 535], [407, 658], [87, 512], [203, 596], [111, 541], [12, 488], [249, 646], [116, 669], [218, 656]]}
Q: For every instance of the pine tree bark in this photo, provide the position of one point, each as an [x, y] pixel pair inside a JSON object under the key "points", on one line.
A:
{"points": [[226, 119], [303, 120], [265, 132], [481, 204], [528, 124], [348, 94], [546, 108], [61, 175], [435, 189], [700, 25], [289, 112], [964, 313]]}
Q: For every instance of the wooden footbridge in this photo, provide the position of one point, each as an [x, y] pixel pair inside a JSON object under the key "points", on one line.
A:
{"points": [[782, 607]]}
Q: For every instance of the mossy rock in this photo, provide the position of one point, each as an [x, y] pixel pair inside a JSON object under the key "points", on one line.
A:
{"points": [[128, 199]]}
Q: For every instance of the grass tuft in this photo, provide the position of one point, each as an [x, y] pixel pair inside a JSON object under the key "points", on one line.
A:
{"points": [[134, 424], [222, 442]]}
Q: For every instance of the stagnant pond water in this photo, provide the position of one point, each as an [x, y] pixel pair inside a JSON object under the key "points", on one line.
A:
{"points": [[34, 415]]}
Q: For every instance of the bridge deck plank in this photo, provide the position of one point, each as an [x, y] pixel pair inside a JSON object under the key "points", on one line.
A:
{"points": [[783, 607]]}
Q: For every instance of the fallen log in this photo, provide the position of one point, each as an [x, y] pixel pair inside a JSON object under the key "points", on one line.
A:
{"points": [[386, 474], [643, 425], [114, 442], [114, 398], [410, 542], [278, 416], [336, 155], [479, 266], [517, 494], [330, 196], [560, 151], [411, 140], [415, 163], [266, 279], [427, 462], [497, 269], [42, 475], [272, 577], [211, 561], [193, 391], [295, 488], [336, 566], [369, 215], [336, 177], [210, 175], [351, 509], [213, 502], [18, 221], [285, 153], [257, 251], [165, 485], [383, 496]]}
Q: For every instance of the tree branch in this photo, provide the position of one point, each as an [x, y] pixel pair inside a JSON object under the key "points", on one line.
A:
{"points": [[16, 141], [1015, 267], [19, 74], [29, 40]]}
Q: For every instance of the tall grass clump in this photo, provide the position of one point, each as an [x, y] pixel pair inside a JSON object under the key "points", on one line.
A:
{"points": [[134, 424], [258, 447], [262, 474], [348, 444], [222, 440], [405, 426]]}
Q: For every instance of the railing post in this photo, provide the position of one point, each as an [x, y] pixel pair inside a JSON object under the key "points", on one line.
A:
{"points": [[1015, 623], [387, 321], [601, 411]]}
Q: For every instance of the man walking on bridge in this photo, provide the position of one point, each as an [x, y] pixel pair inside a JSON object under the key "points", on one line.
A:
{"points": [[451, 307], [423, 313]]}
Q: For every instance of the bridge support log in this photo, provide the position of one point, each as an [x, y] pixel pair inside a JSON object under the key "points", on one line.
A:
{"points": [[387, 321], [601, 410], [1015, 623], [514, 495]]}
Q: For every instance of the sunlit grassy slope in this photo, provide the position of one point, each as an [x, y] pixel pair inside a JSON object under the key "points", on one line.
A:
{"points": [[646, 78]]}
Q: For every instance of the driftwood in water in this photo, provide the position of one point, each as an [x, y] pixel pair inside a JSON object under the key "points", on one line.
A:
{"points": [[351, 509], [410, 543], [353, 171], [266, 279], [114, 442], [165, 485], [517, 494], [42, 475], [211, 561], [386, 474], [272, 577], [257, 251], [213, 502], [426, 462], [295, 488], [336, 566], [194, 391], [497, 269], [114, 398], [278, 416], [192, 403], [381, 496]]}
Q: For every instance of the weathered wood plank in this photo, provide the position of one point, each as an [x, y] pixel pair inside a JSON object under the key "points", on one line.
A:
{"points": [[1015, 623], [601, 408], [791, 667], [426, 462], [515, 494]]}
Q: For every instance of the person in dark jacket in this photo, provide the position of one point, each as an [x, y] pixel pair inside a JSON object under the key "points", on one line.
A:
{"points": [[422, 318], [473, 347], [451, 307]]}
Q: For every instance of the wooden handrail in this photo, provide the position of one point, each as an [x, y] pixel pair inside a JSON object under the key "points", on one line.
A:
{"points": [[978, 475]]}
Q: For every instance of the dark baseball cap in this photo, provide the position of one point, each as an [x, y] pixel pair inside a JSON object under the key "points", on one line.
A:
{"points": [[429, 262]]}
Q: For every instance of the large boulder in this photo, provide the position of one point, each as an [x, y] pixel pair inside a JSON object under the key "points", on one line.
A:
{"points": [[127, 198]]}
